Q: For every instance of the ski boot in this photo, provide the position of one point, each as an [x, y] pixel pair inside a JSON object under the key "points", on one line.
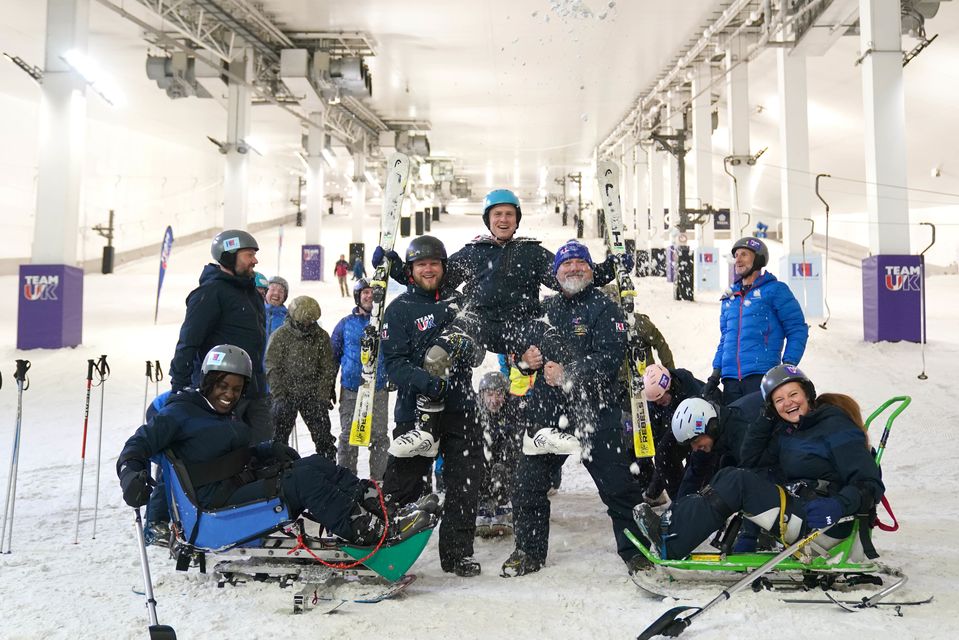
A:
{"points": [[519, 564], [466, 567], [502, 521], [649, 525], [484, 522], [157, 533], [420, 441], [550, 440]]}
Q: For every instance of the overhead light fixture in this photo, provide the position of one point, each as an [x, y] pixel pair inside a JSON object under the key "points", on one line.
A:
{"points": [[33, 71], [95, 77], [251, 144]]}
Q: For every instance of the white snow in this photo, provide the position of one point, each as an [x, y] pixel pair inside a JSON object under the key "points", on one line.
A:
{"points": [[51, 588]]}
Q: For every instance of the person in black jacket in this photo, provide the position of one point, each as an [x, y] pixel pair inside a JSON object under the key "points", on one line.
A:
{"points": [[501, 275], [227, 467], [575, 410], [430, 370], [818, 456], [226, 309], [664, 389]]}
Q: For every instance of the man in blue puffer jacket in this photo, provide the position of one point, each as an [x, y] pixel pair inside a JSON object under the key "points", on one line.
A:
{"points": [[759, 314], [346, 355]]}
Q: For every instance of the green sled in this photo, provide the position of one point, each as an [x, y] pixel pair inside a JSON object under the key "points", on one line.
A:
{"points": [[394, 561]]}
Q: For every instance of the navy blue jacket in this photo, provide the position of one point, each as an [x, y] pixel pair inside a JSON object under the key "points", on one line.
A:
{"points": [[224, 309], [502, 281], [195, 432], [824, 445], [754, 326], [587, 335], [411, 324], [346, 351], [734, 420]]}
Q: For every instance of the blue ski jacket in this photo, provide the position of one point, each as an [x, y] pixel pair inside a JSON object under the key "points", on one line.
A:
{"points": [[275, 316], [587, 334], [224, 309], [753, 327], [411, 325], [346, 351]]}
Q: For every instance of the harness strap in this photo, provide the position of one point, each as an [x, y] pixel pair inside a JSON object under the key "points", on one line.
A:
{"points": [[782, 515], [230, 464], [882, 525]]}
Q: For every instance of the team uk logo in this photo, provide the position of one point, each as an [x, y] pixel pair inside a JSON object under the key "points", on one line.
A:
{"points": [[40, 287], [803, 270], [903, 278], [426, 322]]}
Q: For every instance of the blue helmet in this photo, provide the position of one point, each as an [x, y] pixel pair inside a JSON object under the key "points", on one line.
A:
{"points": [[500, 196]]}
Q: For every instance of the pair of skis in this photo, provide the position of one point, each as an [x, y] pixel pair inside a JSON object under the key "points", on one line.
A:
{"points": [[397, 175], [607, 175]]}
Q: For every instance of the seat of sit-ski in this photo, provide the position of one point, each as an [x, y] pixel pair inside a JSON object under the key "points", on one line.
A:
{"points": [[217, 529]]}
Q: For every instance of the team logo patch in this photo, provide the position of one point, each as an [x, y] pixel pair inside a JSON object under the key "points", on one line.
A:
{"points": [[40, 287], [757, 293], [426, 322], [384, 335], [620, 327], [231, 243], [663, 381], [216, 357], [754, 244]]}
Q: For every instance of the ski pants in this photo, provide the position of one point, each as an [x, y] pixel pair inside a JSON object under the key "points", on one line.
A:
{"points": [[734, 389], [407, 479], [346, 454], [500, 453], [315, 415], [691, 519], [314, 484], [606, 461]]}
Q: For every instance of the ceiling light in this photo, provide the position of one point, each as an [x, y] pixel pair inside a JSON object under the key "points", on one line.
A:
{"points": [[95, 77]]}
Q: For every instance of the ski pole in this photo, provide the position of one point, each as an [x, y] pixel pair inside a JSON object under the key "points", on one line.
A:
{"points": [[157, 631], [22, 384], [670, 624], [825, 261], [146, 388], [157, 376], [91, 365], [922, 299], [103, 372]]}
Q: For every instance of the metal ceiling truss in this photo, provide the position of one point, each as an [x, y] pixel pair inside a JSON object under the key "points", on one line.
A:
{"points": [[226, 27]]}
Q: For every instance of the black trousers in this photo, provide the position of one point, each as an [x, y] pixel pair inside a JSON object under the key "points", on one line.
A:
{"points": [[608, 464], [316, 417], [734, 389], [407, 479], [500, 454]]}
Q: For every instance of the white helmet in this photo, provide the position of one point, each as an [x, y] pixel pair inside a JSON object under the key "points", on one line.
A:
{"points": [[691, 418]]}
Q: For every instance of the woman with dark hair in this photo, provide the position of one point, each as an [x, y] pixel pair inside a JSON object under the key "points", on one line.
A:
{"points": [[814, 451], [201, 428]]}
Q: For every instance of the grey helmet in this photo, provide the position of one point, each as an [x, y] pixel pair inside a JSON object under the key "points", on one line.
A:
{"points": [[780, 375], [758, 247], [227, 243], [228, 358], [283, 283], [494, 381]]}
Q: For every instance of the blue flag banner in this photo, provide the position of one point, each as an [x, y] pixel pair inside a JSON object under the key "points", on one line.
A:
{"points": [[165, 249]]}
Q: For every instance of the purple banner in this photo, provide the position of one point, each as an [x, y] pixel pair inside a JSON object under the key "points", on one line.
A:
{"points": [[311, 262], [165, 249], [50, 309], [892, 291]]}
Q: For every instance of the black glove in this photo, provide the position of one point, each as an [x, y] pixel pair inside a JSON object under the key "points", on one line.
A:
{"points": [[278, 451], [332, 400], [711, 388], [437, 388], [136, 483]]}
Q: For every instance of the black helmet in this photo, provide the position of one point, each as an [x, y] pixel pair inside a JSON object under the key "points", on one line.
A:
{"points": [[425, 247], [494, 381], [228, 358], [780, 375], [361, 284], [758, 247], [500, 196], [227, 243]]}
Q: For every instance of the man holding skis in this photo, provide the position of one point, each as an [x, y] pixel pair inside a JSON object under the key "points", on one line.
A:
{"points": [[432, 371], [577, 410]]}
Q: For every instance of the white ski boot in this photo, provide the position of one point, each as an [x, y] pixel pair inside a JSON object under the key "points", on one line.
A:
{"points": [[550, 440], [414, 443]]}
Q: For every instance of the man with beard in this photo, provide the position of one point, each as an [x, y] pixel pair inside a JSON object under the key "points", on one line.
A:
{"points": [[579, 351], [226, 309]]}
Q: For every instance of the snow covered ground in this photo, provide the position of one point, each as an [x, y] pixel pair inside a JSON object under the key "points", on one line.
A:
{"points": [[51, 588]]}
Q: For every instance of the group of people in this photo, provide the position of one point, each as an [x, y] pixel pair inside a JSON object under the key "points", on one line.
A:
{"points": [[563, 394]]}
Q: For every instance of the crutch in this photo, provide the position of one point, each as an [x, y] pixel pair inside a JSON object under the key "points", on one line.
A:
{"points": [[103, 371], [22, 384], [157, 631]]}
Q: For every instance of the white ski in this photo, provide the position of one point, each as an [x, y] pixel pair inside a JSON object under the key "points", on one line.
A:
{"points": [[398, 173], [607, 174]]}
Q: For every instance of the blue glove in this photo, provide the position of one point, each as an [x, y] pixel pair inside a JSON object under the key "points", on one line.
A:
{"points": [[628, 260], [378, 256], [823, 512]]}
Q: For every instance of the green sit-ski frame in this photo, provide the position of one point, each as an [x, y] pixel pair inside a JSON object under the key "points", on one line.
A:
{"points": [[394, 561], [834, 560]]}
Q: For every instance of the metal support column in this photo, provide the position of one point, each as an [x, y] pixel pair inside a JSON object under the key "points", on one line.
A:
{"points": [[795, 179], [236, 171]]}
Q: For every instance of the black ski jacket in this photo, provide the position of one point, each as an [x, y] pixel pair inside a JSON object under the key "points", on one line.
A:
{"points": [[502, 281], [734, 420], [825, 445], [587, 334], [411, 325], [224, 309]]}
